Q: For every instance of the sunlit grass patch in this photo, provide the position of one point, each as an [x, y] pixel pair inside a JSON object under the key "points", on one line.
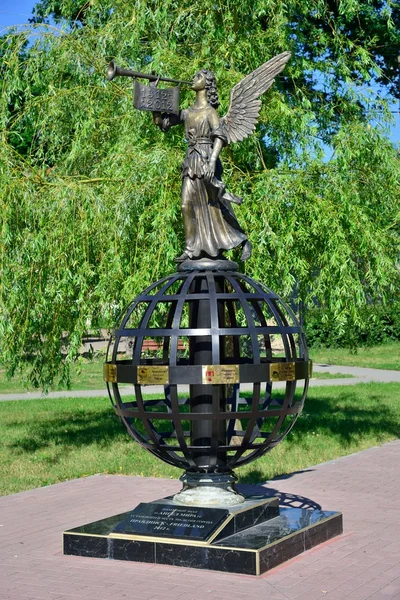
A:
{"points": [[386, 356]]}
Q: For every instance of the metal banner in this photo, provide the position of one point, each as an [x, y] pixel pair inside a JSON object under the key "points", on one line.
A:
{"points": [[148, 97]]}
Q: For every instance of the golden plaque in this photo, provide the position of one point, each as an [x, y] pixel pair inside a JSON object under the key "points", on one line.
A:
{"points": [[220, 374], [282, 371], [110, 373], [152, 375]]}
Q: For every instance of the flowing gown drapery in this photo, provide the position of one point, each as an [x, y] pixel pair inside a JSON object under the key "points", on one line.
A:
{"points": [[210, 223]]}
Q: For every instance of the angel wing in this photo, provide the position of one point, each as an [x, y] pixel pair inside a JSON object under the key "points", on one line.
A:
{"points": [[244, 109]]}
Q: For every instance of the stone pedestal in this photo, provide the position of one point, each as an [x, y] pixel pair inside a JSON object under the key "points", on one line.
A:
{"points": [[250, 538]]}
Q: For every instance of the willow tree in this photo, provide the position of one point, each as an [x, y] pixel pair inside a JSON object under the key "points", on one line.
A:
{"points": [[90, 189]]}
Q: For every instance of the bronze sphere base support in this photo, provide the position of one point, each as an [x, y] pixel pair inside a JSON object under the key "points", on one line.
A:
{"points": [[207, 264], [208, 489]]}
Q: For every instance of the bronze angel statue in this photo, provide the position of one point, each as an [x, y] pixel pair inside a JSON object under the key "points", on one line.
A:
{"points": [[210, 223]]}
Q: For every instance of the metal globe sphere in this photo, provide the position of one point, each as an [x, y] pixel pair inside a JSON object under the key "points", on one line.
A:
{"points": [[211, 345]]}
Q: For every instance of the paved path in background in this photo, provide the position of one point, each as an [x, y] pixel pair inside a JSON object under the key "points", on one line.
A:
{"points": [[363, 564], [360, 375], [384, 375]]}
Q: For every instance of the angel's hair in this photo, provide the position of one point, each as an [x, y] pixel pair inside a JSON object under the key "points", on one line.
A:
{"points": [[211, 88]]}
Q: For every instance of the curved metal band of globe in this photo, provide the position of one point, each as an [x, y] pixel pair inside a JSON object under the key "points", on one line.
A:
{"points": [[244, 319], [152, 373]]}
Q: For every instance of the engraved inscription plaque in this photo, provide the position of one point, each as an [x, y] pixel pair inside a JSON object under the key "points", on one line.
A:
{"points": [[152, 375], [110, 373], [284, 371], [220, 374], [164, 520]]}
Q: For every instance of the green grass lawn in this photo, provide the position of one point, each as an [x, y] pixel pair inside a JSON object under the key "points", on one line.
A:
{"points": [[386, 356], [47, 441], [85, 375]]}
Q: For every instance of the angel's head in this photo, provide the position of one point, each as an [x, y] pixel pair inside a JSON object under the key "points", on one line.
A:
{"points": [[205, 79]]}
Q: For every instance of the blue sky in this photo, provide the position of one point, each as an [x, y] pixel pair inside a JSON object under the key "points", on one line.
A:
{"points": [[17, 12]]}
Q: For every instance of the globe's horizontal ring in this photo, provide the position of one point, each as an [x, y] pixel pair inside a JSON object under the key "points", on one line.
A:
{"points": [[192, 332], [231, 448], [126, 372], [203, 416], [255, 296]]}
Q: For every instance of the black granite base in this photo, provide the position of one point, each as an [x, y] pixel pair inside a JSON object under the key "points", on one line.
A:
{"points": [[250, 539]]}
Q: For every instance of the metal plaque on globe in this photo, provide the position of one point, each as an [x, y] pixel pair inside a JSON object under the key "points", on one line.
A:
{"points": [[285, 371], [220, 374], [153, 375], [110, 373]]}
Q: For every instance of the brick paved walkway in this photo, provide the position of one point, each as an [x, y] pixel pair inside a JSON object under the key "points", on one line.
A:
{"points": [[362, 564]]}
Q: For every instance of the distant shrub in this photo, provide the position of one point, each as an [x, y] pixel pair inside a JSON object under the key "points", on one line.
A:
{"points": [[378, 324]]}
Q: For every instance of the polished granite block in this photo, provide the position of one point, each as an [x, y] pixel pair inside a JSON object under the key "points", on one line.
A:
{"points": [[284, 549], [135, 551], [231, 560], [251, 513], [250, 539], [290, 521], [85, 545]]}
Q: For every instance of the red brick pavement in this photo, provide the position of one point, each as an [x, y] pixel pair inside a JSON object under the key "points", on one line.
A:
{"points": [[362, 564]]}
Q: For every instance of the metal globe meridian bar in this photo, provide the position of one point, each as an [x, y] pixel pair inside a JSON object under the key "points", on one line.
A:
{"points": [[228, 338]]}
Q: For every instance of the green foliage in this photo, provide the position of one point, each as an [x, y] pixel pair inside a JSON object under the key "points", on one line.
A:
{"points": [[90, 189], [379, 325]]}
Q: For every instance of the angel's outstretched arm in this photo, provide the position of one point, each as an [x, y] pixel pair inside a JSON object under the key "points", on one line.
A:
{"points": [[165, 121]]}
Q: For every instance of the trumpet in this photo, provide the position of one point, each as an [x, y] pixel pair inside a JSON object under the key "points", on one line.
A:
{"points": [[114, 71]]}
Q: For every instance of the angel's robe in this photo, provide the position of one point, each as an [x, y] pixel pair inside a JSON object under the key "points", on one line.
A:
{"points": [[209, 221]]}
